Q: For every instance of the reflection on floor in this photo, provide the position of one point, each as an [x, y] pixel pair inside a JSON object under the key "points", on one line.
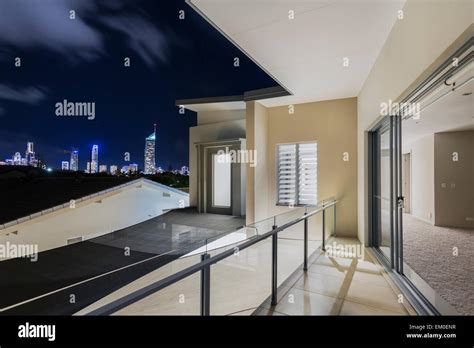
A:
{"points": [[430, 251], [338, 286]]}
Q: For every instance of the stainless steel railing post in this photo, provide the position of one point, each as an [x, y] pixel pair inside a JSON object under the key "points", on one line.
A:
{"points": [[324, 230], [274, 266], [205, 286], [305, 264]]}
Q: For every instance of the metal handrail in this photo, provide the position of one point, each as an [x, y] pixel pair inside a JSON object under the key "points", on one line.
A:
{"points": [[204, 267]]}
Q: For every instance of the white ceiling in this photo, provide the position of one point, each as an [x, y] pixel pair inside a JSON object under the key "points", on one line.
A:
{"points": [[455, 112], [305, 54]]}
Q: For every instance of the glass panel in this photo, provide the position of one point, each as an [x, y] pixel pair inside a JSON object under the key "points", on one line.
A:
{"points": [[329, 222], [180, 298], [221, 180], [383, 194], [242, 281]]}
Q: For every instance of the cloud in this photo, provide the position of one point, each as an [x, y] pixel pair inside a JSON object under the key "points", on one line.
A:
{"points": [[2, 111], [142, 36], [28, 95], [46, 24]]}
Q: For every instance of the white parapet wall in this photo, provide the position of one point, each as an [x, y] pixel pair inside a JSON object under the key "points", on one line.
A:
{"points": [[95, 215]]}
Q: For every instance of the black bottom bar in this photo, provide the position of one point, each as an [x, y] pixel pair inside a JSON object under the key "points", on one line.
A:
{"points": [[136, 330]]}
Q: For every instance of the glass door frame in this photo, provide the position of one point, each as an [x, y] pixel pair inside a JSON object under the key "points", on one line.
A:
{"points": [[392, 124], [394, 266]]}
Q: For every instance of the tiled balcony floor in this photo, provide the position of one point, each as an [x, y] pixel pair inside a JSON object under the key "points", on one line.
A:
{"points": [[338, 286]]}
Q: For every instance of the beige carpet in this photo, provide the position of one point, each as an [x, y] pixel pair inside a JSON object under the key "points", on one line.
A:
{"points": [[429, 251]]}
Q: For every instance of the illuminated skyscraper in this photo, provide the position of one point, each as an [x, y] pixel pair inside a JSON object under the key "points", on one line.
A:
{"points": [[30, 154], [17, 159], [150, 153], [74, 160], [95, 159], [103, 168], [64, 165], [30, 147]]}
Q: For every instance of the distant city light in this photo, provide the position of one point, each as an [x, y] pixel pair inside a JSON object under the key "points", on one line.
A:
{"points": [[93, 166]]}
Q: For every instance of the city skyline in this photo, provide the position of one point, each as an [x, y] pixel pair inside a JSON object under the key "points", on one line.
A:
{"points": [[119, 75], [73, 156], [72, 164]]}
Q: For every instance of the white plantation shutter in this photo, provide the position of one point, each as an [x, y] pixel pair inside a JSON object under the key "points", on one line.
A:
{"points": [[286, 180], [307, 173], [297, 174]]}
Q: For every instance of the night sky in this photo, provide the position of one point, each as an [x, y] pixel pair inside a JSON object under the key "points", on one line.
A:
{"points": [[82, 60]]}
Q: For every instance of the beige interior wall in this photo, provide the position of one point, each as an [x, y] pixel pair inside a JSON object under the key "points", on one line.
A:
{"points": [[333, 125], [454, 180], [209, 132], [427, 29], [422, 178]]}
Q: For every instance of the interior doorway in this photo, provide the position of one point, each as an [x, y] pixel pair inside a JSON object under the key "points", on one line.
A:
{"points": [[218, 181], [221, 177]]}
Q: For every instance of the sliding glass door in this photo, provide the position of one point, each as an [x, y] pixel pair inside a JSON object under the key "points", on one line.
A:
{"points": [[423, 243], [385, 190]]}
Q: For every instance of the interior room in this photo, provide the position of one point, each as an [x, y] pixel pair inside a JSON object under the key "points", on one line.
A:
{"points": [[438, 190]]}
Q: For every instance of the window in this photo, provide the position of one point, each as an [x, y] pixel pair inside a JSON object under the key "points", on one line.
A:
{"points": [[297, 174]]}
